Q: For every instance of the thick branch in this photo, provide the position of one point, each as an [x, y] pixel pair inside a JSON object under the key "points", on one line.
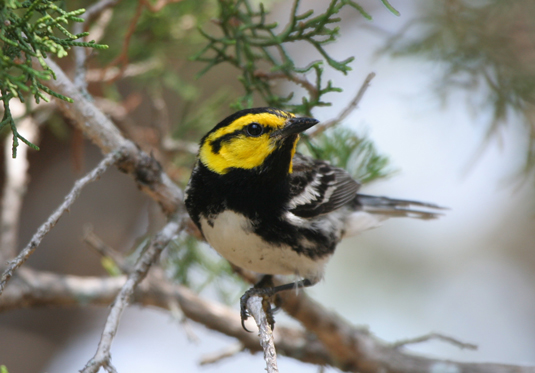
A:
{"points": [[357, 350], [98, 128], [34, 289], [42, 289]]}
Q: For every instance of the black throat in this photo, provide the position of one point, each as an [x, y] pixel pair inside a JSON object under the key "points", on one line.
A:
{"points": [[257, 192]]}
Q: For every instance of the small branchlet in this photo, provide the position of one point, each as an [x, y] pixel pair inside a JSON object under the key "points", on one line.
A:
{"points": [[27, 31]]}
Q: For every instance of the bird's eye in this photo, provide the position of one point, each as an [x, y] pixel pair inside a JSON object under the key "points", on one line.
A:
{"points": [[254, 129]]}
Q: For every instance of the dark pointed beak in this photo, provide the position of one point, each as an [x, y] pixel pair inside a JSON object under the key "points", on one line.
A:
{"points": [[294, 126]]}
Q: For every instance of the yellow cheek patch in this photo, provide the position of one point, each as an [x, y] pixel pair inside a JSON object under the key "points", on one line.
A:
{"points": [[294, 149], [241, 151]]}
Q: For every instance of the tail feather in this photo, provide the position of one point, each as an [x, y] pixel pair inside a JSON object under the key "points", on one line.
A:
{"points": [[390, 207]]}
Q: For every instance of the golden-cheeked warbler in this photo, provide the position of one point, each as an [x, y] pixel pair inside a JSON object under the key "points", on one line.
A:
{"points": [[268, 209]]}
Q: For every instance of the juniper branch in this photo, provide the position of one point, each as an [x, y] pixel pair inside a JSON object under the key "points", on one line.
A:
{"points": [[25, 36]]}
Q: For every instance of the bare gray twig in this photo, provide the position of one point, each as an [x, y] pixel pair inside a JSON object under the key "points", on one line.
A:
{"points": [[438, 336], [230, 351], [177, 145], [80, 57], [352, 105], [53, 219], [113, 73], [100, 247], [102, 357], [80, 54], [357, 350], [254, 305], [302, 81], [97, 8]]}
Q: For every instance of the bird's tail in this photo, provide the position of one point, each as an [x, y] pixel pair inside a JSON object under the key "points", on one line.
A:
{"points": [[389, 207]]}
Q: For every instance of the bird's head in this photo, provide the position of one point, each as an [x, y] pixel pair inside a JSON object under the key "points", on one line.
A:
{"points": [[252, 139]]}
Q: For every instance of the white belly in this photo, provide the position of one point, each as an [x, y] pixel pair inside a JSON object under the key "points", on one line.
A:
{"points": [[231, 235]]}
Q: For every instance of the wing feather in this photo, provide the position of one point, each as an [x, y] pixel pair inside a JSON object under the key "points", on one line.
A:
{"points": [[319, 188]]}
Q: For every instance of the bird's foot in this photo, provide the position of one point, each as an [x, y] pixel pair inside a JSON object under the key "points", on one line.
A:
{"points": [[265, 294]]}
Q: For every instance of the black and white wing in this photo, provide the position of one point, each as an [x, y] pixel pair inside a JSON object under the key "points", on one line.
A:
{"points": [[318, 188]]}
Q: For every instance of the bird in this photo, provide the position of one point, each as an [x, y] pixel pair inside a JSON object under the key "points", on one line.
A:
{"points": [[269, 209]]}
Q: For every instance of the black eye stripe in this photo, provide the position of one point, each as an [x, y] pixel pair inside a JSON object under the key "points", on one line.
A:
{"points": [[217, 143]]}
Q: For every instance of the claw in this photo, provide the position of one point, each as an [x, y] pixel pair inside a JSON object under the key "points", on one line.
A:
{"points": [[243, 325], [243, 310], [266, 305], [277, 303], [265, 293]]}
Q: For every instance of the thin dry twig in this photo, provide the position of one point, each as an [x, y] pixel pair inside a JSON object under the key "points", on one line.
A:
{"points": [[438, 336], [80, 54], [344, 113], [302, 81], [230, 351], [176, 145], [161, 114], [53, 219], [113, 73], [96, 9], [160, 4], [102, 357], [100, 247], [254, 305], [80, 58], [122, 59], [16, 180], [98, 29]]}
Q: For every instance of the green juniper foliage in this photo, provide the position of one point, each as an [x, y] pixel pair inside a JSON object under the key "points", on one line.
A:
{"points": [[29, 29], [483, 44], [354, 153], [253, 45]]}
